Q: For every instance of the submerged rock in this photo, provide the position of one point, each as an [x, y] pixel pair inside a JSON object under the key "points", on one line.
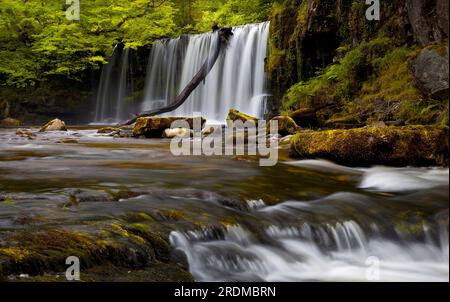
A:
{"points": [[25, 133], [54, 125], [68, 141], [10, 122], [395, 146], [235, 115], [305, 117], [154, 127]]}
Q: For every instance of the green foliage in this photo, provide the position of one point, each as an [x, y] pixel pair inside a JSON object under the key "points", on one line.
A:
{"points": [[37, 40], [376, 73]]}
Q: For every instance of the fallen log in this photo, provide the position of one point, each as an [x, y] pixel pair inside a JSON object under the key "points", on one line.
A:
{"points": [[224, 34]]}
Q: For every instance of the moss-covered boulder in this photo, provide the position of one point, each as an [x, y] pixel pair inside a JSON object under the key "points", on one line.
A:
{"points": [[236, 115], [54, 125], [394, 146], [10, 122], [286, 125], [305, 117], [153, 127]]}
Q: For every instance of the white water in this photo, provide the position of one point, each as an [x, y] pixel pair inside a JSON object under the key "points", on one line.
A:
{"points": [[345, 236], [237, 79]]}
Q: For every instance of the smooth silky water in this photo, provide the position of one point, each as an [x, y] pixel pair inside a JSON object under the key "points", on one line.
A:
{"points": [[297, 221]]}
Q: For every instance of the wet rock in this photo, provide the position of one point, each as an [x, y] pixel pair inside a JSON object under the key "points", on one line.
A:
{"points": [[68, 141], [379, 124], [429, 20], [177, 132], [394, 146], [25, 133], [399, 123], [10, 122], [153, 127], [286, 125], [54, 125], [235, 115], [431, 71], [305, 117], [81, 196], [107, 130]]}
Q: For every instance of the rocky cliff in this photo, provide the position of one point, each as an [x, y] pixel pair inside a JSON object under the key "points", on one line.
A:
{"points": [[325, 55]]}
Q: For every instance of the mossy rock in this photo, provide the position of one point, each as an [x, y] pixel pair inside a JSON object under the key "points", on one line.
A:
{"points": [[235, 115], [286, 125], [305, 117], [394, 146], [10, 122], [153, 127], [107, 130]]}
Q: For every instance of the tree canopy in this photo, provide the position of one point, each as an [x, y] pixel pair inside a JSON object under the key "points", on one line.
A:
{"points": [[38, 41]]}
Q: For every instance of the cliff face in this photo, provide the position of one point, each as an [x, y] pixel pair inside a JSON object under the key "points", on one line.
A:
{"points": [[326, 55]]}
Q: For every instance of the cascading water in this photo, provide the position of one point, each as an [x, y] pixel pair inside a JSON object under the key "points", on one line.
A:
{"points": [[341, 237], [115, 86], [237, 80]]}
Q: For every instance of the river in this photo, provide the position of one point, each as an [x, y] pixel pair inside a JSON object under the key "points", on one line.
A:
{"points": [[297, 221]]}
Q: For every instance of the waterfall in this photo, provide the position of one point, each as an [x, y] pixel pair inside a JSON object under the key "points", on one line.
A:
{"points": [[114, 87], [237, 80]]}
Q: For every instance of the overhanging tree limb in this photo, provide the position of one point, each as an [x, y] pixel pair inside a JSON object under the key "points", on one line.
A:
{"points": [[222, 40]]}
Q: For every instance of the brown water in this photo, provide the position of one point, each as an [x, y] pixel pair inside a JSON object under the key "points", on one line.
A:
{"points": [[305, 220]]}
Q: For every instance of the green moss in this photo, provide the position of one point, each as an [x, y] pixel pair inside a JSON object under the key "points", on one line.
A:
{"points": [[397, 146]]}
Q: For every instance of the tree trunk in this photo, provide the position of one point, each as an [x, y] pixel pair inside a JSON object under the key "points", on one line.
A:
{"points": [[221, 42]]}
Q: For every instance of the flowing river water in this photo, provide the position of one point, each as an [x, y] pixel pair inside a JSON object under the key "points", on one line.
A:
{"points": [[297, 221]]}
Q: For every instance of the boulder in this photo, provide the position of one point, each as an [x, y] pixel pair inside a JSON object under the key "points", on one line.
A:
{"points": [[107, 130], [54, 125], [431, 71], [25, 133], [235, 115], [10, 122], [153, 127], [305, 117], [429, 20], [394, 146], [176, 132], [286, 125]]}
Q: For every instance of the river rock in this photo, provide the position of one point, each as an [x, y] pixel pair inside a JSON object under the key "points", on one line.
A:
{"points": [[393, 146], [107, 130], [305, 117], [236, 115], [54, 125], [431, 71], [25, 133], [286, 125], [10, 122], [67, 141], [177, 132], [153, 127]]}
